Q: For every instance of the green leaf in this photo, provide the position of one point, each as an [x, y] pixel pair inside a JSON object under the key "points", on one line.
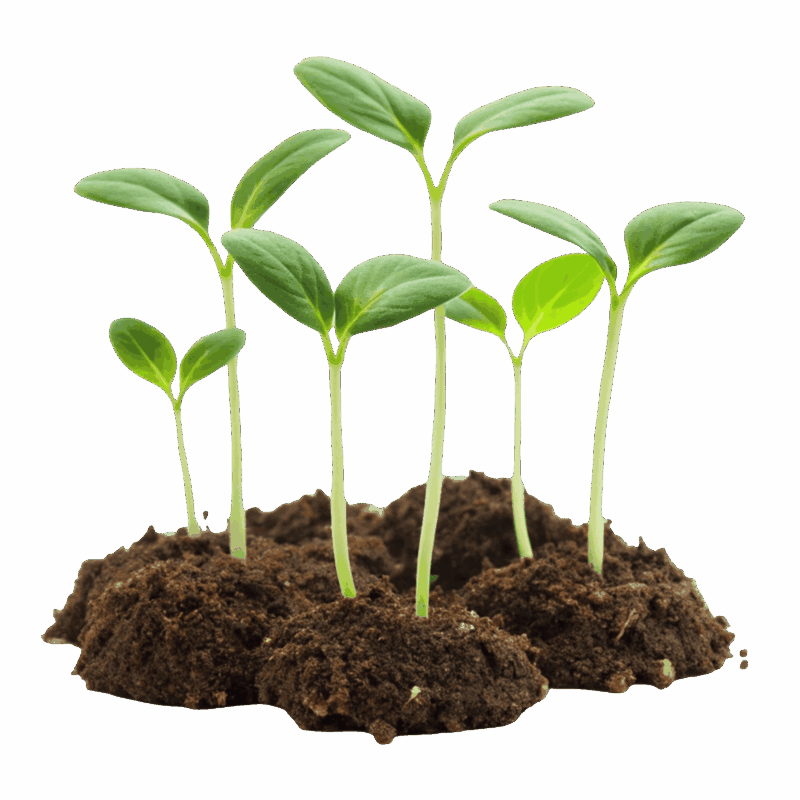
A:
{"points": [[286, 273], [387, 290], [272, 175], [517, 110], [144, 350], [559, 223], [479, 310], [677, 233], [209, 354], [148, 190], [556, 292], [366, 102]]}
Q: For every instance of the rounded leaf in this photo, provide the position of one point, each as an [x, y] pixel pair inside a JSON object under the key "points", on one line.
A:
{"points": [[478, 310], [366, 101], [564, 226], [677, 233], [148, 190], [286, 273], [209, 354], [144, 350], [556, 292], [387, 290], [517, 110], [273, 174]]}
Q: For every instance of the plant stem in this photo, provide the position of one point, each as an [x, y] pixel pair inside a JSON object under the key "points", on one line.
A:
{"points": [[517, 489], [433, 490], [596, 521], [338, 506], [194, 528]]}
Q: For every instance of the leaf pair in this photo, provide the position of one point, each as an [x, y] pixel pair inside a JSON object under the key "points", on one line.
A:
{"points": [[371, 104], [663, 236], [377, 293], [159, 193], [146, 351], [547, 297]]}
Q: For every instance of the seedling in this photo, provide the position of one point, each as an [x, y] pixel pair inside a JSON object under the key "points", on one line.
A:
{"points": [[663, 236], [146, 351], [547, 297], [378, 293], [371, 104], [156, 192]]}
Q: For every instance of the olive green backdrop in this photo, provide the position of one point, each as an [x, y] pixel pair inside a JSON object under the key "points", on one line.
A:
{"points": [[692, 102]]}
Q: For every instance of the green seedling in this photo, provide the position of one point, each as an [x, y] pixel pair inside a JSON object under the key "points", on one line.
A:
{"points": [[663, 236], [371, 104], [378, 293], [546, 298], [156, 192], [146, 351]]}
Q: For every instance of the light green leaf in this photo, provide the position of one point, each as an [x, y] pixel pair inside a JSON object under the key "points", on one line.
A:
{"points": [[556, 292], [517, 110], [286, 273], [148, 190], [478, 310], [272, 175], [209, 354], [677, 233], [387, 290], [144, 350], [559, 223], [366, 101]]}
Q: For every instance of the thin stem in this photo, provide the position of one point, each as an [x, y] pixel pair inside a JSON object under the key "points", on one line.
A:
{"points": [[517, 489], [338, 505], [194, 528], [433, 490], [237, 526], [596, 521]]}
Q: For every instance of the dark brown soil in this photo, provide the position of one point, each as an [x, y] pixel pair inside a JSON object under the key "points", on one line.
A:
{"points": [[176, 621]]}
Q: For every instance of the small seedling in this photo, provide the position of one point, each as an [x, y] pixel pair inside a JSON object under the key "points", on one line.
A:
{"points": [[549, 296], [663, 236], [371, 104], [146, 351], [378, 293], [156, 192]]}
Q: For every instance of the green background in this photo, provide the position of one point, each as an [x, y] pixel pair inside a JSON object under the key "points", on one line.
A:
{"points": [[693, 104]]}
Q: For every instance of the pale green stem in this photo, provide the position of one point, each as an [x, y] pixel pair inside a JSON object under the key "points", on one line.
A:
{"points": [[433, 491], [194, 528], [236, 523], [596, 521], [338, 506], [517, 489]]}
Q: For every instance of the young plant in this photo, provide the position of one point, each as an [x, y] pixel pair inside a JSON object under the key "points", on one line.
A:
{"points": [[547, 297], [156, 192], [371, 104], [378, 293], [663, 236], [146, 351]]}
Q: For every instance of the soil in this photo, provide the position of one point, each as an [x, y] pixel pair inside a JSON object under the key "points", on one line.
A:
{"points": [[176, 621]]}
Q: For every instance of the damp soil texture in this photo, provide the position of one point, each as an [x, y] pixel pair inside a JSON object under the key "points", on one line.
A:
{"points": [[177, 621]]}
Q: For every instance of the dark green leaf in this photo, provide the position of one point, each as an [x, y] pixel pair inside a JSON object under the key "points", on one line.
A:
{"points": [[556, 292], [272, 175], [677, 233], [286, 273], [517, 110], [144, 350], [209, 354], [387, 290], [366, 101], [148, 190], [559, 223], [478, 310]]}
